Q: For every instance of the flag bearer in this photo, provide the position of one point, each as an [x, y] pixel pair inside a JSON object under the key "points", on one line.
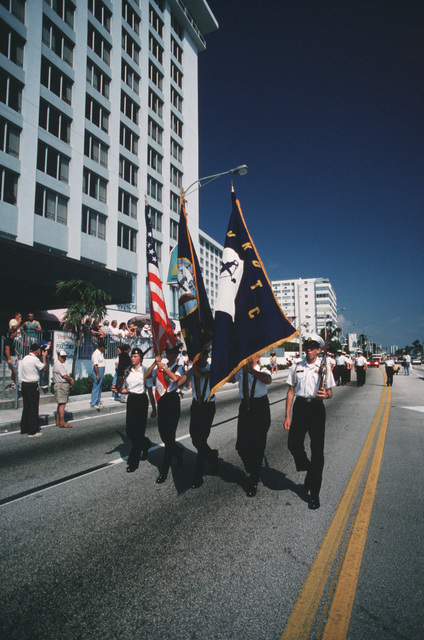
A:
{"points": [[308, 415]]}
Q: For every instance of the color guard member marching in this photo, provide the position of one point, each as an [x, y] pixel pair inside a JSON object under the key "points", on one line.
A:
{"points": [[305, 385]]}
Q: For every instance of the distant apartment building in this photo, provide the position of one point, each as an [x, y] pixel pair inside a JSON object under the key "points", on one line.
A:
{"points": [[98, 111], [210, 259], [308, 302]]}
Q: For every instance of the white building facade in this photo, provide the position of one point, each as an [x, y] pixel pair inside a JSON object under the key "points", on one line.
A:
{"points": [[98, 111], [309, 303], [210, 259]]}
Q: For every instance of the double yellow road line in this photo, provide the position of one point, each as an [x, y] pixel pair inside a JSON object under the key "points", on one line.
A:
{"points": [[304, 612]]}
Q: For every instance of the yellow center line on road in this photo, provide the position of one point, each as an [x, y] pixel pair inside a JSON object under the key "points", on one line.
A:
{"points": [[304, 611], [341, 609]]}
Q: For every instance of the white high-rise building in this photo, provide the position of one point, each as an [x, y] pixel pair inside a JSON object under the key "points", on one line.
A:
{"points": [[308, 302], [98, 111], [210, 259]]}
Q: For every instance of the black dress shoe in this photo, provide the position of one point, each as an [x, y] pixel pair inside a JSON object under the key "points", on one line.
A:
{"points": [[131, 468], [197, 482], [252, 490], [314, 502], [161, 478]]}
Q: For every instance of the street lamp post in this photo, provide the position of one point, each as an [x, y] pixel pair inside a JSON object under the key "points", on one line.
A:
{"points": [[241, 170]]}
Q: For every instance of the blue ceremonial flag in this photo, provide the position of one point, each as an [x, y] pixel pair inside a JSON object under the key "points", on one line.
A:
{"points": [[248, 318], [195, 314]]}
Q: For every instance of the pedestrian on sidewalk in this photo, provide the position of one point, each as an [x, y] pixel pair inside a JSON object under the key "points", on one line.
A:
{"points": [[62, 384], [98, 362], [29, 373], [308, 391], [9, 352]]}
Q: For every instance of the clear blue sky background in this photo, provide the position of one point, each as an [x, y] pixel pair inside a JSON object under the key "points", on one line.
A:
{"points": [[323, 100]]}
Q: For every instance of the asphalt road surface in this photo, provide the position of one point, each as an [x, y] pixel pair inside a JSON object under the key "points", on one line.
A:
{"points": [[89, 551]]}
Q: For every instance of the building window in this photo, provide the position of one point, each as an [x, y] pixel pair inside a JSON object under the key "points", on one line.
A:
{"points": [[156, 219], [54, 121], [127, 204], [97, 114], [128, 171], [176, 177], [128, 139], [154, 159], [9, 138], [176, 75], [175, 202], [8, 186], [130, 77], [176, 150], [100, 12], [16, 7], [52, 162], [155, 131], [95, 149], [155, 75], [99, 80], [176, 99], [179, 31], [56, 40], [176, 125], [93, 185], [93, 223], [11, 45], [56, 81], [129, 107], [98, 44], [154, 189], [158, 249], [130, 46], [155, 48], [156, 21], [130, 16], [155, 103], [10, 91], [173, 229], [176, 50], [64, 9], [127, 237], [50, 205]]}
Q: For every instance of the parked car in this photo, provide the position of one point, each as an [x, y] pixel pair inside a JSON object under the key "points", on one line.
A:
{"points": [[417, 360]]}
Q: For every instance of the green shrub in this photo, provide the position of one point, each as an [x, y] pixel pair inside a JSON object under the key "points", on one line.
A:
{"points": [[82, 386], [107, 382]]}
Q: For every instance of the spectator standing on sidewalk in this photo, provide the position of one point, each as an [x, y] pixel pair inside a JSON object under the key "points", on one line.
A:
{"points": [[29, 373], [31, 327], [98, 362], [62, 386], [11, 356], [407, 364]]}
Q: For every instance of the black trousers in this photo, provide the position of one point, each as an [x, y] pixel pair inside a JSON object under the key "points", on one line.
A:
{"points": [[252, 429], [169, 409], [389, 373], [201, 418], [308, 418], [360, 376], [30, 397], [137, 405]]}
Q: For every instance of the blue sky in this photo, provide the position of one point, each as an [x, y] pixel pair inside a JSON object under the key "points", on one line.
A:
{"points": [[324, 102]]}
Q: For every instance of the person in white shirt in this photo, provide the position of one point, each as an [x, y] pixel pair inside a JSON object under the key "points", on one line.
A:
{"points": [[254, 419], [361, 366], [340, 369], [309, 388], [136, 385], [62, 384], [29, 374], [201, 416], [98, 362], [390, 363], [169, 409]]}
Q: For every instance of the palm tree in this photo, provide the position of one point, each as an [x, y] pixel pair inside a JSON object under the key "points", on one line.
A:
{"points": [[83, 300]]}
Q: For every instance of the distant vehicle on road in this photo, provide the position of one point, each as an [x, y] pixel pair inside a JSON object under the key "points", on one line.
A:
{"points": [[417, 360], [374, 361]]}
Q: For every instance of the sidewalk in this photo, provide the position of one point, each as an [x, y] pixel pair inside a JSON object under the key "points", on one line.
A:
{"points": [[76, 407]]}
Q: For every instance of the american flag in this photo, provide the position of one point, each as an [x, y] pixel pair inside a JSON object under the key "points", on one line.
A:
{"points": [[163, 335]]}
